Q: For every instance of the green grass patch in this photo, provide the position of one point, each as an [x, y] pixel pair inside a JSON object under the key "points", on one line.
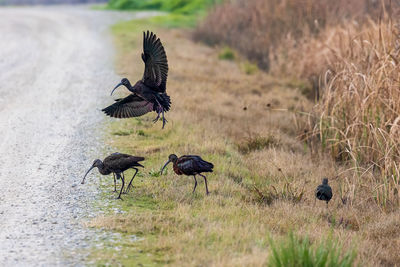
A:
{"points": [[297, 251], [181, 13], [249, 68], [226, 54], [187, 7]]}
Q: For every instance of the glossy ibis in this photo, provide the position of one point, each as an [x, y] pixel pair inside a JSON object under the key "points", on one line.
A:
{"points": [[324, 191], [116, 164], [190, 165], [149, 93]]}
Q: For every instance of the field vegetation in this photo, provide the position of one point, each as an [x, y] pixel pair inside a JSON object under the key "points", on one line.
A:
{"points": [[180, 13], [349, 61], [329, 107]]}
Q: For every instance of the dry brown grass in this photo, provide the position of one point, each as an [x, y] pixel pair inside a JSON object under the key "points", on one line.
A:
{"points": [[354, 55], [357, 118], [360, 108], [258, 28], [264, 177]]}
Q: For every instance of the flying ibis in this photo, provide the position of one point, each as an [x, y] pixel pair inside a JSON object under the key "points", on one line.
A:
{"points": [[149, 93], [116, 164], [190, 165], [324, 191]]}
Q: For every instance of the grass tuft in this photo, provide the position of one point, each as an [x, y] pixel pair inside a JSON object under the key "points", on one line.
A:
{"points": [[249, 68], [297, 251], [226, 54]]}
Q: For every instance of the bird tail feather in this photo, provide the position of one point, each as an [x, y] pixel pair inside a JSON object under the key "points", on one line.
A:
{"points": [[206, 166]]}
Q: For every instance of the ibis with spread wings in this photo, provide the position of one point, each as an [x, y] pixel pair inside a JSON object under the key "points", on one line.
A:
{"points": [[149, 93]]}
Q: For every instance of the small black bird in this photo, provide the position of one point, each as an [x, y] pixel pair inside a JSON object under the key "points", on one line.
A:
{"points": [[324, 191], [116, 164], [149, 93], [190, 165]]}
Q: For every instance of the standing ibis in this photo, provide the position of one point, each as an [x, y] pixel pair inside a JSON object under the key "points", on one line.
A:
{"points": [[190, 165], [149, 93], [324, 191], [116, 164]]}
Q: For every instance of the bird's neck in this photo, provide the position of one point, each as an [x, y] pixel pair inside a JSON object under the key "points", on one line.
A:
{"points": [[102, 169], [129, 87]]}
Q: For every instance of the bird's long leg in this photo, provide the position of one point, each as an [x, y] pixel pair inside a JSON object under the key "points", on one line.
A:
{"points": [[158, 116], [115, 183], [164, 120], [195, 184], [122, 187], [129, 185], [123, 176], [158, 111], [205, 180]]}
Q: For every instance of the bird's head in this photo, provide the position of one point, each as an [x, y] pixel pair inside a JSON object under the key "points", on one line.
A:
{"points": [[325, 181], [125, 82], [96, 163], [171, 158]]}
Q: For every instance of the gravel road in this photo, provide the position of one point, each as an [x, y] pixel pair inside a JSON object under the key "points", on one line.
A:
{"points": [[56, 72]]}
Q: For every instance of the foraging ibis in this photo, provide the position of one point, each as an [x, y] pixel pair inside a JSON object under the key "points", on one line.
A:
{"points": [[116, 164], [149, 93], [324, 191], [190, 165]]}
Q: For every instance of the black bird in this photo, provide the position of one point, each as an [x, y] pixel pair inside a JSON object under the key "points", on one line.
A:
{"points": [[149, 93], [190, 165], [116, 164], [324, 191]]}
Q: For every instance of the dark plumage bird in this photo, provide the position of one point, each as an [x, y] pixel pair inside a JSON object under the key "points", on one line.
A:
{"points": [[324, 191], [116, 164], [149, 93], [190, 165]]}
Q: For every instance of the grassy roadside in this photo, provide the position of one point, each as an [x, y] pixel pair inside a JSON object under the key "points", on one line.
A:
{"points": [[249, 127], [179, 13]]}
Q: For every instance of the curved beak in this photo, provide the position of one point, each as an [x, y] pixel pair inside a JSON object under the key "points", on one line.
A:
{"points": [[83, 181], [118, 85], [165, 165]]}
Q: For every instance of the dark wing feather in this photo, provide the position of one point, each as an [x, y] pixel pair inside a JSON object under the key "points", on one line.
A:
{"points": [[186, 165], [130, 106], [194, 164], [156, 63], [323, 192], [121, 162]]}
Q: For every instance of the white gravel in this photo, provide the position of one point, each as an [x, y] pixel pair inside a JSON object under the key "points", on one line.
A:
{"points": [[56, 73]]}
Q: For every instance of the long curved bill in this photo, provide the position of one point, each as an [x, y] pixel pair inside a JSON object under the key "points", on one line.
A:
{"points": [[83, 181], [118, 85], [165, 165]]}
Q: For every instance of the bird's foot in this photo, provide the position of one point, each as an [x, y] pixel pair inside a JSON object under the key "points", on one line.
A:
{"points": [[128, 189], [164, 121], [156, 119], [119, 198]]}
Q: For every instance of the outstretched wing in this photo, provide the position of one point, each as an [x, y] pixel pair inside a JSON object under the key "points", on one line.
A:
{"points": [[156, 63], [130, 106]]}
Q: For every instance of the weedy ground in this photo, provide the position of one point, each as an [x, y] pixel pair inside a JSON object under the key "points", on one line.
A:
{"points": [[251, 126]]}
